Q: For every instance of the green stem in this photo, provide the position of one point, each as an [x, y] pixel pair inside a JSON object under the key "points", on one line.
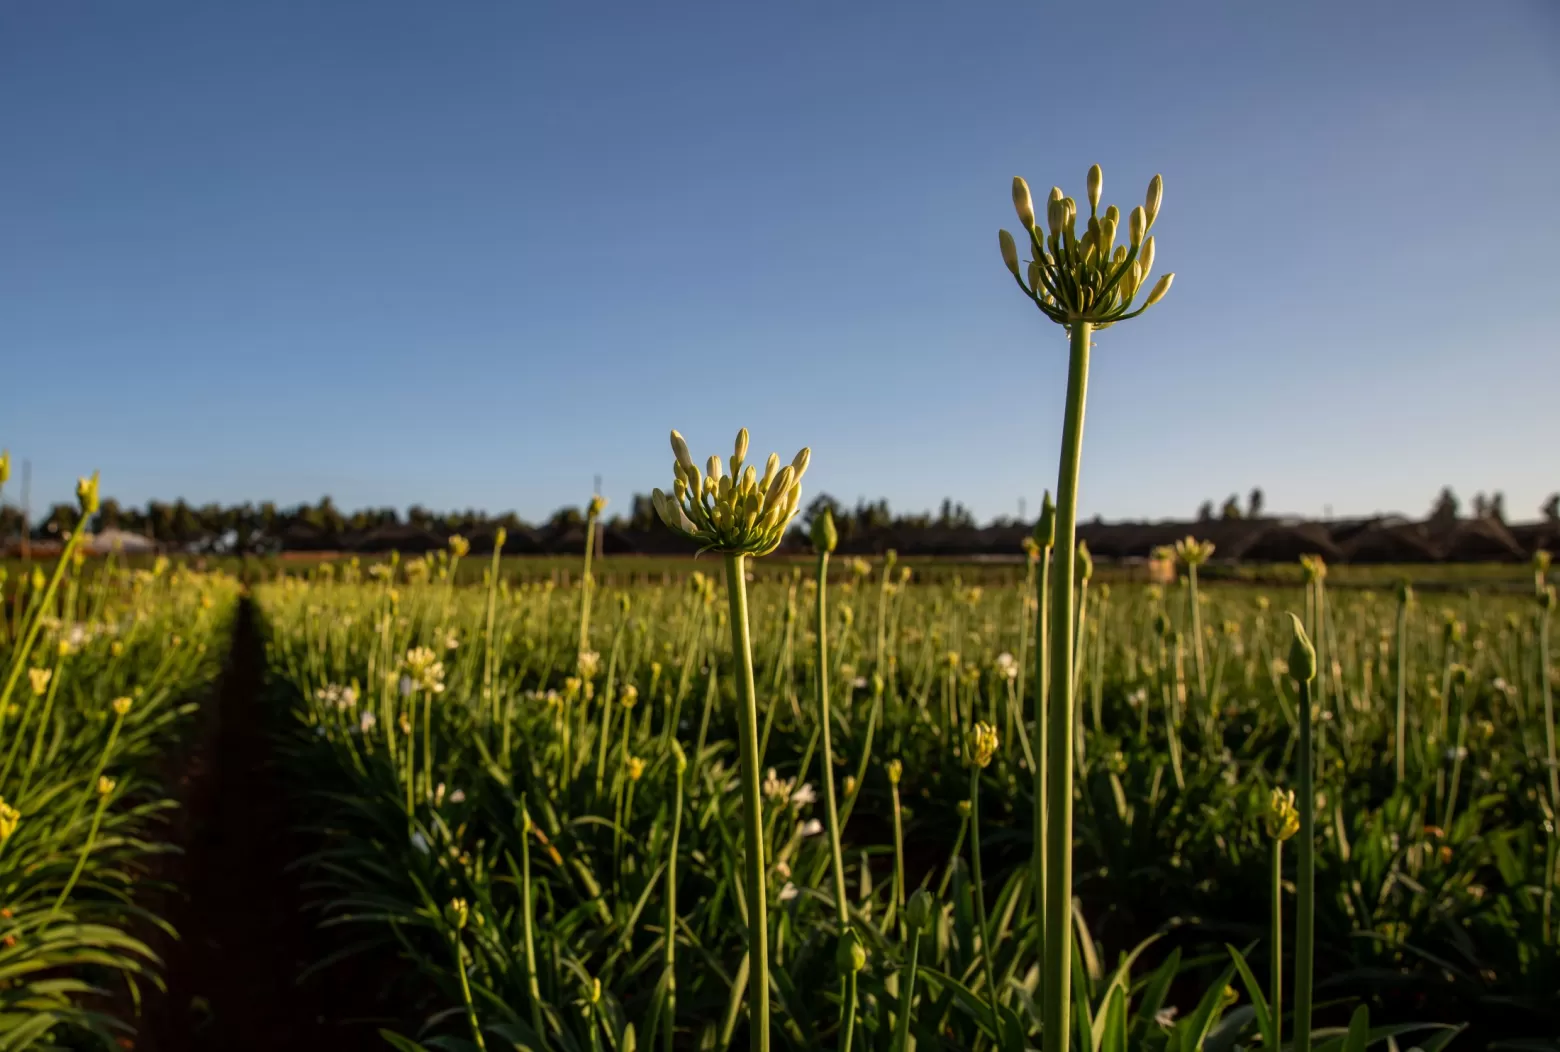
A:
{"points": [[1305, 875], [465, 993], [825, 720], [1042, 685], [752, 805], [86, 849], [1276, 966], [907, 995], [1197, 634], [1057, 971], [527, 935], [849, 1013], [1401, 741], [669, 961], [987, 951]]}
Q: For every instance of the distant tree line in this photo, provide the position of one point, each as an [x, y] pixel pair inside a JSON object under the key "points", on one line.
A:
{"points": [[266, 526]]}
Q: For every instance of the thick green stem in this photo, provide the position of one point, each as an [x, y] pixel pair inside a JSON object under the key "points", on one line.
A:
{"points": [[1305, 874], [1057, 970], [752, 816], [825, 720]]}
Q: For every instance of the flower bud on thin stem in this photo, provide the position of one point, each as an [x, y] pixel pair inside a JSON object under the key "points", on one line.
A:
{"points": [[1022, 203], [1009, 251]]}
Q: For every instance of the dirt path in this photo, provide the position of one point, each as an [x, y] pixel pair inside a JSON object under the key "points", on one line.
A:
{"points": [[244, 934]]}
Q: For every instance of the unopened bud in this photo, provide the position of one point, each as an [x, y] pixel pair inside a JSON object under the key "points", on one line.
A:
{"points": [[1045, 525], [1137, 226], [1160, 288], [1156, 190], [1085, 562], [824, 535], [851, 956], [1009, 251], [680, 450], [1022, 203], [1096, 183], [920, 911], [1302, 655]]}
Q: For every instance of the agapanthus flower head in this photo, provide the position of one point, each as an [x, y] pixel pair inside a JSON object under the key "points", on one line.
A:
{"points": [[425, 670], [1193, 552], [1281, 817], [87, 494], [982, 744], [1085, 277], [739, 513]]}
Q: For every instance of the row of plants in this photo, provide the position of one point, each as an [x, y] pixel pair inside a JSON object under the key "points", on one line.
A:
{"points": [[1043, 814], [101, 673], [576, 809]]}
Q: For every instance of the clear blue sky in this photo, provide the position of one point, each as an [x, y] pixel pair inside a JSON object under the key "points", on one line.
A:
{"points": [[471, 254]]}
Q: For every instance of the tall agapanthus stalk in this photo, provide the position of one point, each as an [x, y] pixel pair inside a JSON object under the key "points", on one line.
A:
{"points": [[1083, 283], [740, 515]]}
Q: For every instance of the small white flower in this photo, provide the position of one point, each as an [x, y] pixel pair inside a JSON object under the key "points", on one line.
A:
{"points": [[319, 732], [812, 827], [1457, 753], [420, 842], [347, 699], [1165, 1017], [788, 892], [777, 788], [406, 686], [804, 796], [1007, 665], [366, 722], [860, 683], [458, 796]]}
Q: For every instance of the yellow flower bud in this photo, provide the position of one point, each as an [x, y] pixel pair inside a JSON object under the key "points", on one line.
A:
{"points": [[1023, 204], [1009, 251], [1160, 288], [1156, 190], [39, 679], [1096, 184], [982, 744], [121, 706]]}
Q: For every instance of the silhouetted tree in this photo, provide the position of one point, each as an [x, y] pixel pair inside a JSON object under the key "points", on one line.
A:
{"points": [[1231, 509], [1446, 507], [1255, 503], [1551, 508], [1205, 511], [1497, 506]]}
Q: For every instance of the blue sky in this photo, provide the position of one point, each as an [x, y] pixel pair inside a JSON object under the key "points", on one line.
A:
{"points": [[472, 254]]}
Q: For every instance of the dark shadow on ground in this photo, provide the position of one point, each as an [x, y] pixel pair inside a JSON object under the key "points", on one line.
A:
{"points": [[245, 933]]}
